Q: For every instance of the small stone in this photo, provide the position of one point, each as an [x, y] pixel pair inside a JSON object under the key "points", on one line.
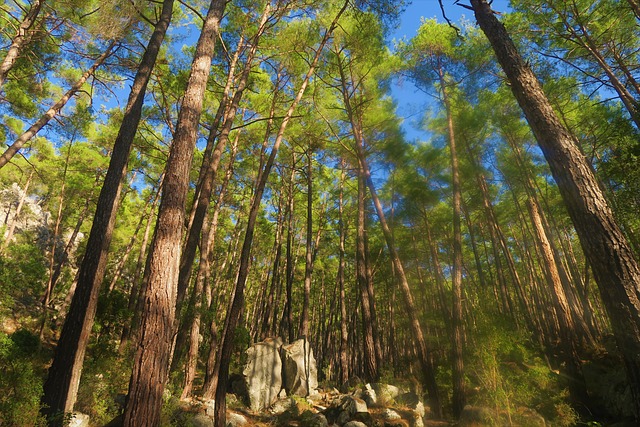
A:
{"points": [[235, 420], [282, 405], [200, 420], [209, 407], [354, 424], [353, 405], [390, 414], [79, 420], [369, 396]]}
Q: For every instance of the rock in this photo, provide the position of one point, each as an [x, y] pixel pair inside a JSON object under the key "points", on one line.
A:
{"points": [[396, 423], [200, 420], [415, 419], [390, 414], [263, 373], [369, 396], [282, 405], [412, 401], [79, 420], [385, 392], [318, 420], [235, 420], [209, 407], [300, 370], [476, 416], [355, 424], [353, 405], [343, 418]]}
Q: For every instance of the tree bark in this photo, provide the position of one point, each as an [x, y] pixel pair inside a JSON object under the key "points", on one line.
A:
{"points": [[62, 383], [152, 359], [457, 336], [605, 246], [344, 334], [22, 37]]}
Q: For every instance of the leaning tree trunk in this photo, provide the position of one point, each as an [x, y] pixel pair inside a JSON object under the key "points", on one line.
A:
{"points": [[22, 37], [55, 109], [152, 359], [605, 246], [62, 383]]}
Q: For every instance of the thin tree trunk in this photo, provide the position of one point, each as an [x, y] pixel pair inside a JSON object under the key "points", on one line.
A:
{"points": [[48, 290], [54, 110], [238, 299], [344, 334], [22, 37], [152, 359], [308, 265], [607, 250], [289, 272], [457, 336]]}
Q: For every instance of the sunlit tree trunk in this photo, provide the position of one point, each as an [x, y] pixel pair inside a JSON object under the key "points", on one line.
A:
{"points": [[605, 246], [152, 359], [22, 37]]}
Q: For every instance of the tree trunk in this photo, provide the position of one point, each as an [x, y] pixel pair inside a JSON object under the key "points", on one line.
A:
{"points": [[308, 265], [48, 290], [457, 336], [22, 37], [54, 110], [136, 284], [238, 298], [152, 359], [344, 359], [62, 383], [608, 252]]}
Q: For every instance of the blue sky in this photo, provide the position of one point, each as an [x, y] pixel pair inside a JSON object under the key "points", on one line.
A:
{"points": [[411, 103]]}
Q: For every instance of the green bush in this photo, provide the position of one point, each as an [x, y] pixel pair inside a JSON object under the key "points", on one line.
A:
{"points": [[20, 386]]}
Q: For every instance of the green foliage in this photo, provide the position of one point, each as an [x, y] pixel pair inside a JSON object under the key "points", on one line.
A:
{"points": [[23, 275], [20, 386], [104, 383], [512, 375]]}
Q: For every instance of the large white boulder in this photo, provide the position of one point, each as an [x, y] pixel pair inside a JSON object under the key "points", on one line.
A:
{"points": [[263, 373], [300, 369]]}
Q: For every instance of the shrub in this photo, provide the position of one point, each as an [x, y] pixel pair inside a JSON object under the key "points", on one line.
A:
{"points": [[20, 386]]}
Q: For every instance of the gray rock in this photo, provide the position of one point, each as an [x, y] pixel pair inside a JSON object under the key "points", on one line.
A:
{"points": [[385, 392], [79, 420], [343, 418], [353, 405], [209, 407], [235, 420], [369, 396], [390, 414], [355, 424], [263, 373], [300, 369], [415, 420], [200, 420], [318, 420], [282, 405]]}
